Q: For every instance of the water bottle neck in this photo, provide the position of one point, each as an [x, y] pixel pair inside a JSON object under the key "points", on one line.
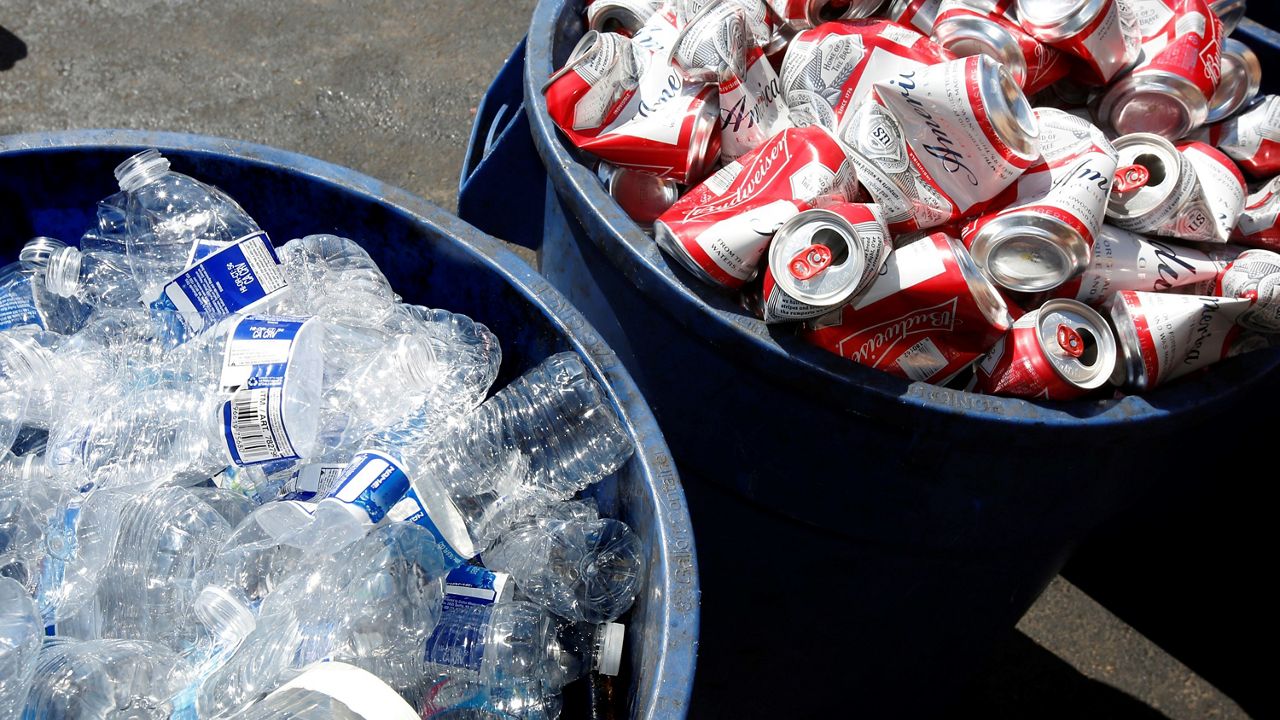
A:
{"points": [[141, 169], [62, 273], [27, 359], [38, 250]]}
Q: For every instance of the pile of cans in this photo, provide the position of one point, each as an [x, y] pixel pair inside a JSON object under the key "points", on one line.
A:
{"points": [[877, 176]]}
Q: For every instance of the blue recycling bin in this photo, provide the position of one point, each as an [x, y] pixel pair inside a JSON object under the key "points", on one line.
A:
{"points": [[865, 540], [50, 182]]}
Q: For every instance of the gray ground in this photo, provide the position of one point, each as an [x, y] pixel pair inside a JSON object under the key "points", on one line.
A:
{"points": [[389, 88]]}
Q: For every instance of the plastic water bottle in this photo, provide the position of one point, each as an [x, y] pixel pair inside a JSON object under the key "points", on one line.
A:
{"points": [[248, 566], [24, 299], [27, 501], [94, 278], [20, 634], [585, 571], [78, 543], [335, 278], [452, 697], [104, 680]]}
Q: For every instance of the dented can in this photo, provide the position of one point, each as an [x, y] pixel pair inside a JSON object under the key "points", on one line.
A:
{"points": [[1157, 191], [1104, 34], [1230, 12], [1060, 351], [1241, 79], [1255, 276], [720, 229], [1251, 138], [761, 25], [620, 16], [1045, 236], [982, 27], [642, 196], [938, 143], [919, 14], [1123, 260], [1259, 223], [1221, 183], [1164, 336], [799, 15], [822, 258], [929, 314]]}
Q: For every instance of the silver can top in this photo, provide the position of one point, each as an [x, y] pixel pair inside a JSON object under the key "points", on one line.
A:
{"points": [[985, 295], [1153, 102], [1129, 369], [1054, 20], [1028, 251], [821, 11], [1163, 166], [820, 258], [1241, 79], [1077, 342], [965, 35], [1007, 108], [706, 126], [644, 197]]}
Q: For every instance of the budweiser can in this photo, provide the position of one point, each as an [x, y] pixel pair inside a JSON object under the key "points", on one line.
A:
{"points": [[720, 229], [656, 123], [1157, 192], [929, 314], [1255, 276], [829, 70], [1241, 79], [642, 196], [1259, 223], [1104, 34], [1168, 93], [1123, 260], [1230, 12], [1060, 351], [1165, 336], [822, 258], [751, 107], [760, 22], [1045, 236], [620, 16], [939, 142], [1251, 138], [978, 27], [919, 14], [1223, 185], [800, 15]]}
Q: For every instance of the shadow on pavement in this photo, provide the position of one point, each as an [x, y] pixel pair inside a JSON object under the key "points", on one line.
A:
{"points": [[12, 49]]}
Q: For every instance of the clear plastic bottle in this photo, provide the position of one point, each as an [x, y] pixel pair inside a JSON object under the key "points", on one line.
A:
{"points": [[94, 278], [585, 571], [104, 680], [20, 634], [452, 698], [334, 278], [78, 544], [24, 300], [27, 502]]}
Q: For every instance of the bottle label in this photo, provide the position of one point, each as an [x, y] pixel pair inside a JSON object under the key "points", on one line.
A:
{"points": [[311, 481], [412, 509], [240, 276], [458, 640], [468, 585], [17, 308], [254, 366], [373, 482]]}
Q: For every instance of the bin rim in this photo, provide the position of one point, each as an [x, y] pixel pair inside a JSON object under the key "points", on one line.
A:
{"points": [[680, 611], [785, 358]]}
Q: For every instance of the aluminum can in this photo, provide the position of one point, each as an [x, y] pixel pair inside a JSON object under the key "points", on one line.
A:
{"points": [[721, 229], [798, 15], [1255, 276], [1045, 236], [935, 144], [1159, 193], [760, 22], [822, 258], [1104, 34], [1230, 12], [919, 14], [829, 70], [1060, 351], [656, 122], [980, 27], [1259, 223], [1251, 138], [929, 314], [1165, 336], [1168, 93], [642, 196], [1222, 183], [1123, 260], [625, 17], [1241, 79]]}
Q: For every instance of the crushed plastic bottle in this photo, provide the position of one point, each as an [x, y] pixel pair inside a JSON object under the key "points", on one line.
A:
{"points": [[104, 680], [20, 634]]}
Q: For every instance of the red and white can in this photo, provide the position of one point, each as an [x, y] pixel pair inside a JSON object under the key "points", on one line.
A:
{"points": [[973, 27], [761, 24], [938, 143], [1103, 34], [1165, 336], [1168, 93], [751, 107], [642, 196], [821, 259], [1123, 260], [1251, 138], [1259, 223], [720, 229], [1045, 236], [929, 314], [1158, 192], [656, 122], [1222, 184], [1060, 351], [620, 16], [919, 14], [829, 70], [1255, 276], [1240, 81], [798, 15]]}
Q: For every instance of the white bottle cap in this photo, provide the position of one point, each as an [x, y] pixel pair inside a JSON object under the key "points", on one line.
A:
{"points": [[609, 656]]}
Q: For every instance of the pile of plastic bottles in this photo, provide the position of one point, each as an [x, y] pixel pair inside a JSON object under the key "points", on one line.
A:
{"points": [[228, 462]]}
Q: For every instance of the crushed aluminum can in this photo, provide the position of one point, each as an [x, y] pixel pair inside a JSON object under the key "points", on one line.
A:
{"points": [[1060, 351], [987, 27], [720, 229], [1255, 276], [655, 122], [642, 196], [760, 23], [798, 15], [1241, 79], [1104, 34], [1157, 191], [1223, 185], [1045, 236], [1230, 12], [1168, 93], [1259, 223], [1251, 138], [919, 14], [935, 145], [1164, 336], [625, 17], [1123, 260], [829, 70], [821, 259], [929, 314]]}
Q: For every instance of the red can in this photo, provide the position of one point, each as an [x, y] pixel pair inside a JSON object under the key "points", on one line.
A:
{"points": [[1251, 138], [929, 314], [1103, 34], [1165, 336], [1060, 351], [1223, 185], [1255, 275], [720, 229], [972, 27], [1259, 223]]}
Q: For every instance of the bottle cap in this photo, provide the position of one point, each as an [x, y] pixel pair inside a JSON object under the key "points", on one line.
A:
{"points": [[609, 657]]}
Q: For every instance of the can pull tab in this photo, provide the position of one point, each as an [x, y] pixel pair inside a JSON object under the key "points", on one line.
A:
{"points": [[1130, 178], [810, 261], [1070, 341]]}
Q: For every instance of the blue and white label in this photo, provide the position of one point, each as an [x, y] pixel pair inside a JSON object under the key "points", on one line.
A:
{"points": [[442, 520], [373, 482], [254, 366], [312, 481], [458, 640], [238, 277], [468, 585], [17, 306]]}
